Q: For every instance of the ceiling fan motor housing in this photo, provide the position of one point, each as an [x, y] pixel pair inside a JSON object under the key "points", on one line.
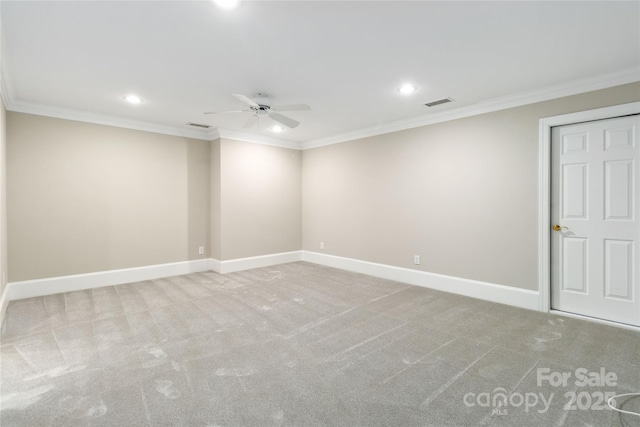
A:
{"points": [[263, 101]]}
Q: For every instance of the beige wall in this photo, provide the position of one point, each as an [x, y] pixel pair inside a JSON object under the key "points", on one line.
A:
{"points": [[3, 201], [260, 199], [85, 197], [461, 194], [215, 238]]}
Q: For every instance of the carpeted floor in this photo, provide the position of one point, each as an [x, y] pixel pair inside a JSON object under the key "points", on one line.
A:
{"points": [[304, 345]]}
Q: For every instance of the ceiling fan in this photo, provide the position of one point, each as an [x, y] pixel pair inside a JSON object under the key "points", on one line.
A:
{"points": [[261, 106]]}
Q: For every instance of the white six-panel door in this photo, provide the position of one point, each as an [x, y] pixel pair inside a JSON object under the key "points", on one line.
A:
{"points": [[595, 257]]}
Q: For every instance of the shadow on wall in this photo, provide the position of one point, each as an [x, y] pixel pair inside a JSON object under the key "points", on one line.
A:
{"points": [[198, 195]]}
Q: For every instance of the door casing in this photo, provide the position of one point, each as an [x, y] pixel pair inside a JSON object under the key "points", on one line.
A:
{"points": [[544, 187]]}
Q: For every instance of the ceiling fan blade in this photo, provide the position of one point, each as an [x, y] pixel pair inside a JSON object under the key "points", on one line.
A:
{"points": [[246, 100], [251, 122], [284, 120], [225, 112], [293, 107]]}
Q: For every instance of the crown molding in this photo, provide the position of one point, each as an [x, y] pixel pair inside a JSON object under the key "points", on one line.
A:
{"points": [[213, 134], [6, 91], [11, 104], [101, 119], [541, 94], [258, 139], [88, 117], [545, 93]]}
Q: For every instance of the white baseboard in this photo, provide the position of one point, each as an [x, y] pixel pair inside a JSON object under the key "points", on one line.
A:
{"points": [[77, 282], [214, 265], [472, 288], [239, 264], [54, 285], [509, 295]]}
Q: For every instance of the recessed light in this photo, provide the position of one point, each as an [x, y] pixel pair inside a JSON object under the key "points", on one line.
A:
{"points": [[277, 128], [227, 4], [133, 99], [407, 89]]}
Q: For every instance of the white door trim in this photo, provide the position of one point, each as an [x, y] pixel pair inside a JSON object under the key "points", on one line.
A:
{"points": [[544, 185]]}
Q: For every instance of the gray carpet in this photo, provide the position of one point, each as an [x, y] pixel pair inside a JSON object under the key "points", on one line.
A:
{"points": [[304, 345]]}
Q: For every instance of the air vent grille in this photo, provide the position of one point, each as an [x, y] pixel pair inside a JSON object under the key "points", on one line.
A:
{"points": [[198, 125], [438, 102]]}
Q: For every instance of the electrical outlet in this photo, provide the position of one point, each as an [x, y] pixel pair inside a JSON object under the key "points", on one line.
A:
{"points": [[322, 245], [416, 259], [201, 250]]}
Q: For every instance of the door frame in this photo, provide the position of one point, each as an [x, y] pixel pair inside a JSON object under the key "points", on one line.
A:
{"points": [[544, 186]]}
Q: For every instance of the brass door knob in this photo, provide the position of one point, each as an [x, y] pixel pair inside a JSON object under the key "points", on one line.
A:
{"points": [[558, 227]]}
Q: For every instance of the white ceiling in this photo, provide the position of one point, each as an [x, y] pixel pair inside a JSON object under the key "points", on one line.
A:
{"points": [[345, 59]]}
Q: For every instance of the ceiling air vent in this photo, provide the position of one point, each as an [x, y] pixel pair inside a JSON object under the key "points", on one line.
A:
{"points": [[198, 125], [438, 102]]}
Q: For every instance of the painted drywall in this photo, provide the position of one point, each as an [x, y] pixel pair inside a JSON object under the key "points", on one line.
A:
{"points": [[260, 199], [4, 277], [461, 194], [85, 198], [215, 238]]}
